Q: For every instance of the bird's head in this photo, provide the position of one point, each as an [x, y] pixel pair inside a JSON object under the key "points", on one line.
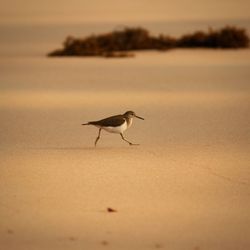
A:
{"points": [[131, 114]]}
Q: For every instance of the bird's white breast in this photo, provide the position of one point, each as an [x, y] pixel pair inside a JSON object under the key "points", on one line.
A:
{"points": [[118, 129]]}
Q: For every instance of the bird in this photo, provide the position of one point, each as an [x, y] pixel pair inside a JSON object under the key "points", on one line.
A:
{"points": [[115, 124]]}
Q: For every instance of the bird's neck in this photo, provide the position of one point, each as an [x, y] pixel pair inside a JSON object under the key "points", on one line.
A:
{"points": [[129, 121]]}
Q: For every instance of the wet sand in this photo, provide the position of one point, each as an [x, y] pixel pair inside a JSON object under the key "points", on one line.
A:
{"points": [[185, 187]]}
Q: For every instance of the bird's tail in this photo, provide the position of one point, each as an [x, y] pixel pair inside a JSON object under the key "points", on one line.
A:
{"points": [[89, 123]]}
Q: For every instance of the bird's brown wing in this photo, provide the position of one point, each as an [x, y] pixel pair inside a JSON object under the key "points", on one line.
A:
{"points": [[113, 121]]}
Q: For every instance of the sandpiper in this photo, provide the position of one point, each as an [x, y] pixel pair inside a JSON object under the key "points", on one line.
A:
{"points": [[115, 124]]}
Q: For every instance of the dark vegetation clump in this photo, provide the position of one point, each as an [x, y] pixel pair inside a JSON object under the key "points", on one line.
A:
{"points": [[225, 38], [120, 43]]}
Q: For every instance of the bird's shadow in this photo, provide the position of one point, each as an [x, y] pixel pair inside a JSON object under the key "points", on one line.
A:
{"points": [[63, 148], [89, 148]]}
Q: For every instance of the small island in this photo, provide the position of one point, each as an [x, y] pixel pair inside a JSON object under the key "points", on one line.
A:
{"points": [[122, 43]]}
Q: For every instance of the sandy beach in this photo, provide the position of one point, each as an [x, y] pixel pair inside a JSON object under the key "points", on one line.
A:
{"points": [[185, 187]]}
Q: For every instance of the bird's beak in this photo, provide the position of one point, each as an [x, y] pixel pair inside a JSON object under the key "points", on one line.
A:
{"points": [[139, 117]]}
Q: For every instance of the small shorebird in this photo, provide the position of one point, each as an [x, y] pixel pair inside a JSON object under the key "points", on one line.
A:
{"points": [[115, 124]]}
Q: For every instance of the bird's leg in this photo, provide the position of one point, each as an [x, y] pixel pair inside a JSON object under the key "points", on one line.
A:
{"points": [[130, 143], [98, 137]]}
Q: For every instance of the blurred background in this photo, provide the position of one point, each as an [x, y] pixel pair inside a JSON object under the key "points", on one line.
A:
{"points": [[36, 27]]}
